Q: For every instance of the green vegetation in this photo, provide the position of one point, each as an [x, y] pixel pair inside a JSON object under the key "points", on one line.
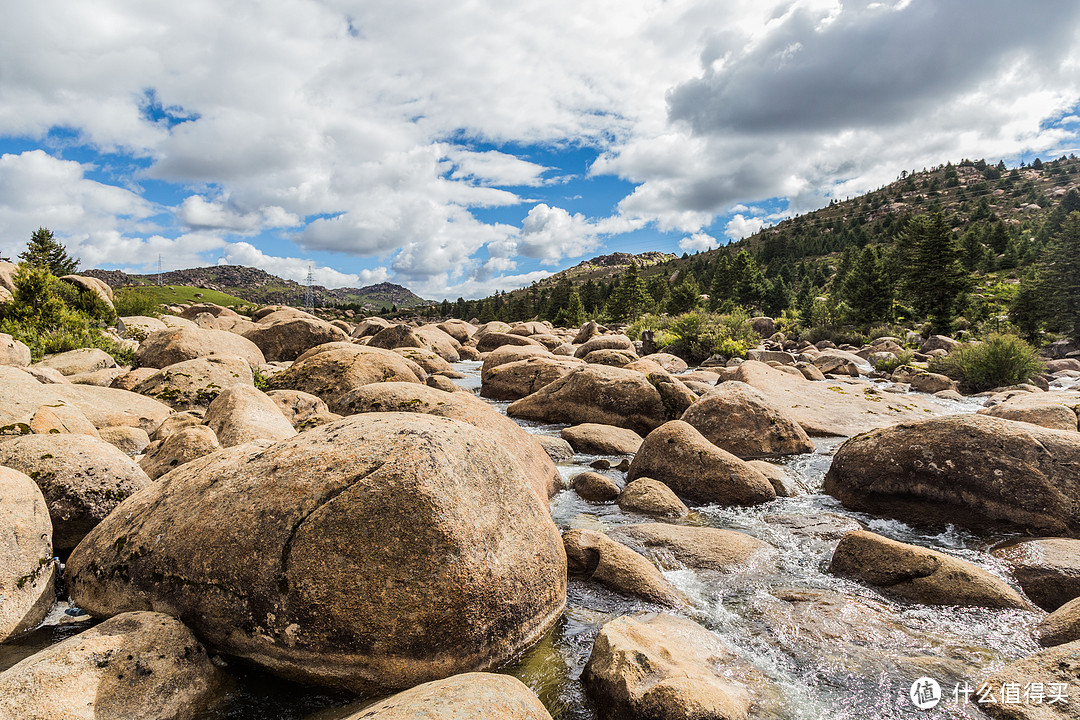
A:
{"points": [[1000, 361], [153, 295], [887, 365], [44, 251], [698, 334], [50, 315], [131, 301]]}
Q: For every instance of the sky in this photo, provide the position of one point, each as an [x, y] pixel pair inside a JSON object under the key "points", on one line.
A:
{"points": [[459, 148]]}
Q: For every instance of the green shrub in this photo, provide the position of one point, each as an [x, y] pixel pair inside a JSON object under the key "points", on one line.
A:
{"points": [[1001, 360], [697, 335], [131, 301], [887, 365]]}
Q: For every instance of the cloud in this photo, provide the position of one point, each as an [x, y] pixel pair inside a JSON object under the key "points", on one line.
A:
{"points": [[494, 168], [290, 268], [698, 242], [740, 227], [196, 212]]}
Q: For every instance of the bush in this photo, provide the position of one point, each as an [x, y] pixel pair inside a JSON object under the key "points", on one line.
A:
{"points": [[904, 357], [698, 335], [1002, 360], [130, 301]]}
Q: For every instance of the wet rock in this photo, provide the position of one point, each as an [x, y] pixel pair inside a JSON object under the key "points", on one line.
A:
{"points": [[110, 407], [288, 339], [178, 448], [833, 408], [697, 547], [243, 413], [1048, 569], [594, 486], [83, 360], [196, 383], [680, 457], [595, 556], [27, 570], [129, 440], [387, 549], [13, 352], [1061, 626], [651, 497], [971, 470], [82, 478], [557, 449], [668, 668], [482, 696], [540, 471], [335, 374], [739, 419], [919, 574], [168, 347], [596, 439], [1055, 668], [825, 526], [781, 482], [137, 665], [596, 394]]}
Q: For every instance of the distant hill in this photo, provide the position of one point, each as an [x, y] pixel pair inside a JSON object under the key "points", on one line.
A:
{"points": [[605, 267], [260, 287]]}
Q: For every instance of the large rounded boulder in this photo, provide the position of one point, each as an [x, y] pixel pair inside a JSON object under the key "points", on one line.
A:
{"points": [[972, 470], [288, 339], [27, 571], [739, 419], [82, 478], [540, 471], [167, 347], [680, 457], [333, 374], [385, 549], [477, 696], [196, 383]]}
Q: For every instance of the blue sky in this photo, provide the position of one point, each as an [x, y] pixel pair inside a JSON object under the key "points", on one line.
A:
{"points": [[462, 149]]}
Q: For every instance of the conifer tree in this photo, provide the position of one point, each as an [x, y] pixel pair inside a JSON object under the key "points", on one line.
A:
{"points": [[686, 296], [1062, 271], [573, 315], [45, 251], [630, 299], [868, 289], [932, 277]]}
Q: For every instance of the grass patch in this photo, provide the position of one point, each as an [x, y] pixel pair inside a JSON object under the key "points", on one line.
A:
{"points": [[153, 295]]}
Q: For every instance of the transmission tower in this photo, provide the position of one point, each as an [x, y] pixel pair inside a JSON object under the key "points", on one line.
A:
{"points": [[159, 269], [309, 298]]}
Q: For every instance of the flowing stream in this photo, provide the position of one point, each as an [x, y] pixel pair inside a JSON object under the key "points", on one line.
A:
{"points": [[834, 649]]}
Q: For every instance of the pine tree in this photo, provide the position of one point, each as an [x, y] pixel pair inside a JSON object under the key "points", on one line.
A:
{"points": [[722, 290], [1028, 308], [630, 299], [1062, 271], [868, 289], [750, 286], [778, 297], [573, 315], [932, 277], [686, 296], [45, 251]]}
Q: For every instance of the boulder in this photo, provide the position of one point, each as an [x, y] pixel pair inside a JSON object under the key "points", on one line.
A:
{"points": [[764, 326], [834, 407], [540, 471], [439, 342], [370, 326], [606, 342], [102, 378], [110, 407], [83, 360], [919, 574], [288, 339], [335, 374], [683, 459], [479, 696], [596, 439], [515, 380], [348, 347], [703, 548], [212, 309], [177, 422], [298, 407], [596, 394], [1047, 409], [21, 395], [13, 352], [196, 383], [587, 332], [771, 356], [781, 483], [1053, 671], [431, 361], [178, 448], [1061, 626], [137, 665], [1048, 569], [928, 382], [971, 470], [441, 382], [131, 441], [646, 496], [614, 358], [556, 448], [27, 570], [45, 376], [92, 286], [7, 276], [840, 362], [595, 556], [138, 327], [663, 667], [594, 486], [458, 329], [739, 419], [512, 353], [130, 379], [271, 315], [670, 363], [55, 419], [382, 550], [168, 347], [492, 340], [490, 327], [939, 342], [82, 478], [243, 413]]}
